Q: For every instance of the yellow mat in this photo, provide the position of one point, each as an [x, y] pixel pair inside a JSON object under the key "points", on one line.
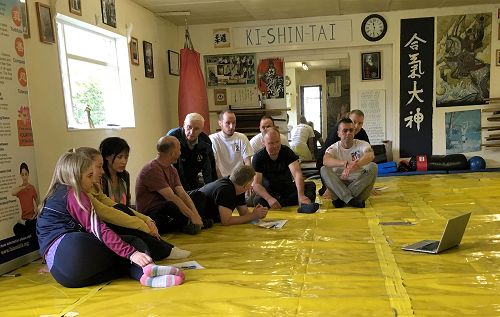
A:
{"points": [[336, 262]]}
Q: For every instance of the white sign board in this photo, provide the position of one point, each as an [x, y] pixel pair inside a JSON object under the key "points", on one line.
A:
{"points": [[292, 34], [372, 103]]}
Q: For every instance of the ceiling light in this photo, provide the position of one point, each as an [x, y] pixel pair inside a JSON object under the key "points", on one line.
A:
{"points": [[304, 66]]}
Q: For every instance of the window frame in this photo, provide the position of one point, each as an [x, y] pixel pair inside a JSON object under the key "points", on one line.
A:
{"points": [[121, 67]]}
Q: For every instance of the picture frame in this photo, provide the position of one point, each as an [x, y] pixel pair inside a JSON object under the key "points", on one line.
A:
{"points": [[25, 19], [173, 63], [75, 7], [45, 26], [108, 10], [371, 66], [497, 58], [230, 70], [147, 48], [134, 51]]}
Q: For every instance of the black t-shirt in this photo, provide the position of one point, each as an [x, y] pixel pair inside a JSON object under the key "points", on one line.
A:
{"points": [[221, 193], [276, 175]]}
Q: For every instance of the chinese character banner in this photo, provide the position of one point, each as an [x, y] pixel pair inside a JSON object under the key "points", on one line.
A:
{"points": [[463, 59], [416, 89]]}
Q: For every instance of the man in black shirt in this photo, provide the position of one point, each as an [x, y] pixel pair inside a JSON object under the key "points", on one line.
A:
{"points": [[278, 178], [196, 153], [228, 193]]}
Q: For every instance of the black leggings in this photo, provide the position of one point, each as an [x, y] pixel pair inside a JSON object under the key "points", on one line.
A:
{"points": [[289, 198], [158, 248], [82, 260]]}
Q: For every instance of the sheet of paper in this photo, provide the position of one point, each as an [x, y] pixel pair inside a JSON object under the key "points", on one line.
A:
{"points": [[271, 224], [189, 265]]}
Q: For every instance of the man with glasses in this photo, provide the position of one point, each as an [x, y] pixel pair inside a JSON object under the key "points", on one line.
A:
{"points": [[348, 170]]}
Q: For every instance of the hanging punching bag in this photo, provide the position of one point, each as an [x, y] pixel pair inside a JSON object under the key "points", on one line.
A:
{"points": [[192, 91]]}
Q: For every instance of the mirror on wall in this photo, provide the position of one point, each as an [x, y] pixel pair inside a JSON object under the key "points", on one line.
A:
{"points": [[318, 89]]}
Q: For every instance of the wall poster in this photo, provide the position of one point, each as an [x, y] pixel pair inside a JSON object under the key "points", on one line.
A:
{"points": [[372, 103], [227, 70], [18, 177], [463, 59], [270, 74], [463, 131]]}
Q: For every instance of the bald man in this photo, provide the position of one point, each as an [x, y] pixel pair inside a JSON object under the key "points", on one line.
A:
{"points": [[196, 153], [160, 194]]}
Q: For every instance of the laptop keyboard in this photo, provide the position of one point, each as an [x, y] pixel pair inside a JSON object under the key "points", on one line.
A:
{"points": [[430, 247]]}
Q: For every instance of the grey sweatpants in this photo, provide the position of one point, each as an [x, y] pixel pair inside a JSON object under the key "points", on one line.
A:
{"points": [[346, 190]]}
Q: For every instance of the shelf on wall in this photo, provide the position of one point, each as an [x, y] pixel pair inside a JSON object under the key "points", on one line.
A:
{"points": [[492, 139]]}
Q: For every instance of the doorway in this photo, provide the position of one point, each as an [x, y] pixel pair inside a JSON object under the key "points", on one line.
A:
{"points": [[310, 105]]}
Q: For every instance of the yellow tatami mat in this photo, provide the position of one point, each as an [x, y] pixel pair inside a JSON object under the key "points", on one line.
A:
{"points": [[336, 262]]}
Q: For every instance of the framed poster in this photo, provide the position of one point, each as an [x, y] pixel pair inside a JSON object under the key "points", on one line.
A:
{"points": [[148, 59], [45, 26], [25, 18], [75, 7], [233, 69], [370, 66], [173, 63], [108, 10], [134, 51]]}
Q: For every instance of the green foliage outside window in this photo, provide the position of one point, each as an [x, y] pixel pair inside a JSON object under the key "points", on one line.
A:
{"points": [[88, 105]]}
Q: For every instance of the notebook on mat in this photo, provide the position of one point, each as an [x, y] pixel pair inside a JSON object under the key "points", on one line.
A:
{"points": [[451, 237]]}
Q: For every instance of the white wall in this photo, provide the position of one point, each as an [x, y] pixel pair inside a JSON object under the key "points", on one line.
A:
{"points": [[389, 46], [155, 100]]}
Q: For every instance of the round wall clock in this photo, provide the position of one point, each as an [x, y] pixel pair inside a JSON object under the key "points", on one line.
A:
{"points": [[374, 27]]}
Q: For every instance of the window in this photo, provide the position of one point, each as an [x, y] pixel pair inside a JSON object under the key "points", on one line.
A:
{"points": [[311, 104], [96, 76]]}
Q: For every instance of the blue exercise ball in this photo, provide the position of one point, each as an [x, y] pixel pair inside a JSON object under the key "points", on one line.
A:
{"points": [[477, 163]]}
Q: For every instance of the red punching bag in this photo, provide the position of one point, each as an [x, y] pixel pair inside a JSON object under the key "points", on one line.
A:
{"points": [[192, 91]]}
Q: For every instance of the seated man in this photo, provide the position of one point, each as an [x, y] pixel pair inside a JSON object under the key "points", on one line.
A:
{"points": [[160, 194], [348, 170], [228, 193], [196, 153], [230, 147], [358, 118], [256, 141], [278, 178], [303, 140]]}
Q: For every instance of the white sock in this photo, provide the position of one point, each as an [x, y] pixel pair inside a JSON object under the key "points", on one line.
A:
{"points": [[178, 253]]}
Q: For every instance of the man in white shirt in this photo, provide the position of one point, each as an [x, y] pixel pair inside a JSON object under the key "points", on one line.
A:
{"points": [[230, 148], [257, 142], [302, 140], [348, 170]]}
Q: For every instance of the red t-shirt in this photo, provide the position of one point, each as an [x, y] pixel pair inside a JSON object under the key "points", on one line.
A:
{"points": [[27, 197], [152, 178]]}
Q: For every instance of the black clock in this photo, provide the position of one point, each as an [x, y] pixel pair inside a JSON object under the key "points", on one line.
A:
{"points": [[374, 27]]}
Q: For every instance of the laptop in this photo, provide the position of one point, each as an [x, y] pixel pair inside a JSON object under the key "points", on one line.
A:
{"points": [[451, 237]]}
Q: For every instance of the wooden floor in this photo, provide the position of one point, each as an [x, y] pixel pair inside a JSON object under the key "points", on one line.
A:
{"points": [[336, 262]]}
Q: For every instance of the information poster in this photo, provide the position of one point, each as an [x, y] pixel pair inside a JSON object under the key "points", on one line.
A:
{"points": [[372, 103], [18, 178]]}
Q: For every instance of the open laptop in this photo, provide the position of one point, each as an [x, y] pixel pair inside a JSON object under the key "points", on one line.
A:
{"points": [[451, 237]]}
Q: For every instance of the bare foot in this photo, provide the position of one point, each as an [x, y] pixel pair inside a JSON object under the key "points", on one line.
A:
{"points": [[44, 269]]}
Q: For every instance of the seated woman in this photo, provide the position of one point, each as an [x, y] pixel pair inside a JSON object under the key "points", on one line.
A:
{"points": [[124, 220], [115, 180], [79, 248]]}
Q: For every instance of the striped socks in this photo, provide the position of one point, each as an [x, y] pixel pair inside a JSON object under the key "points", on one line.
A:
{"points": [[161, 281], [161, 276]]}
